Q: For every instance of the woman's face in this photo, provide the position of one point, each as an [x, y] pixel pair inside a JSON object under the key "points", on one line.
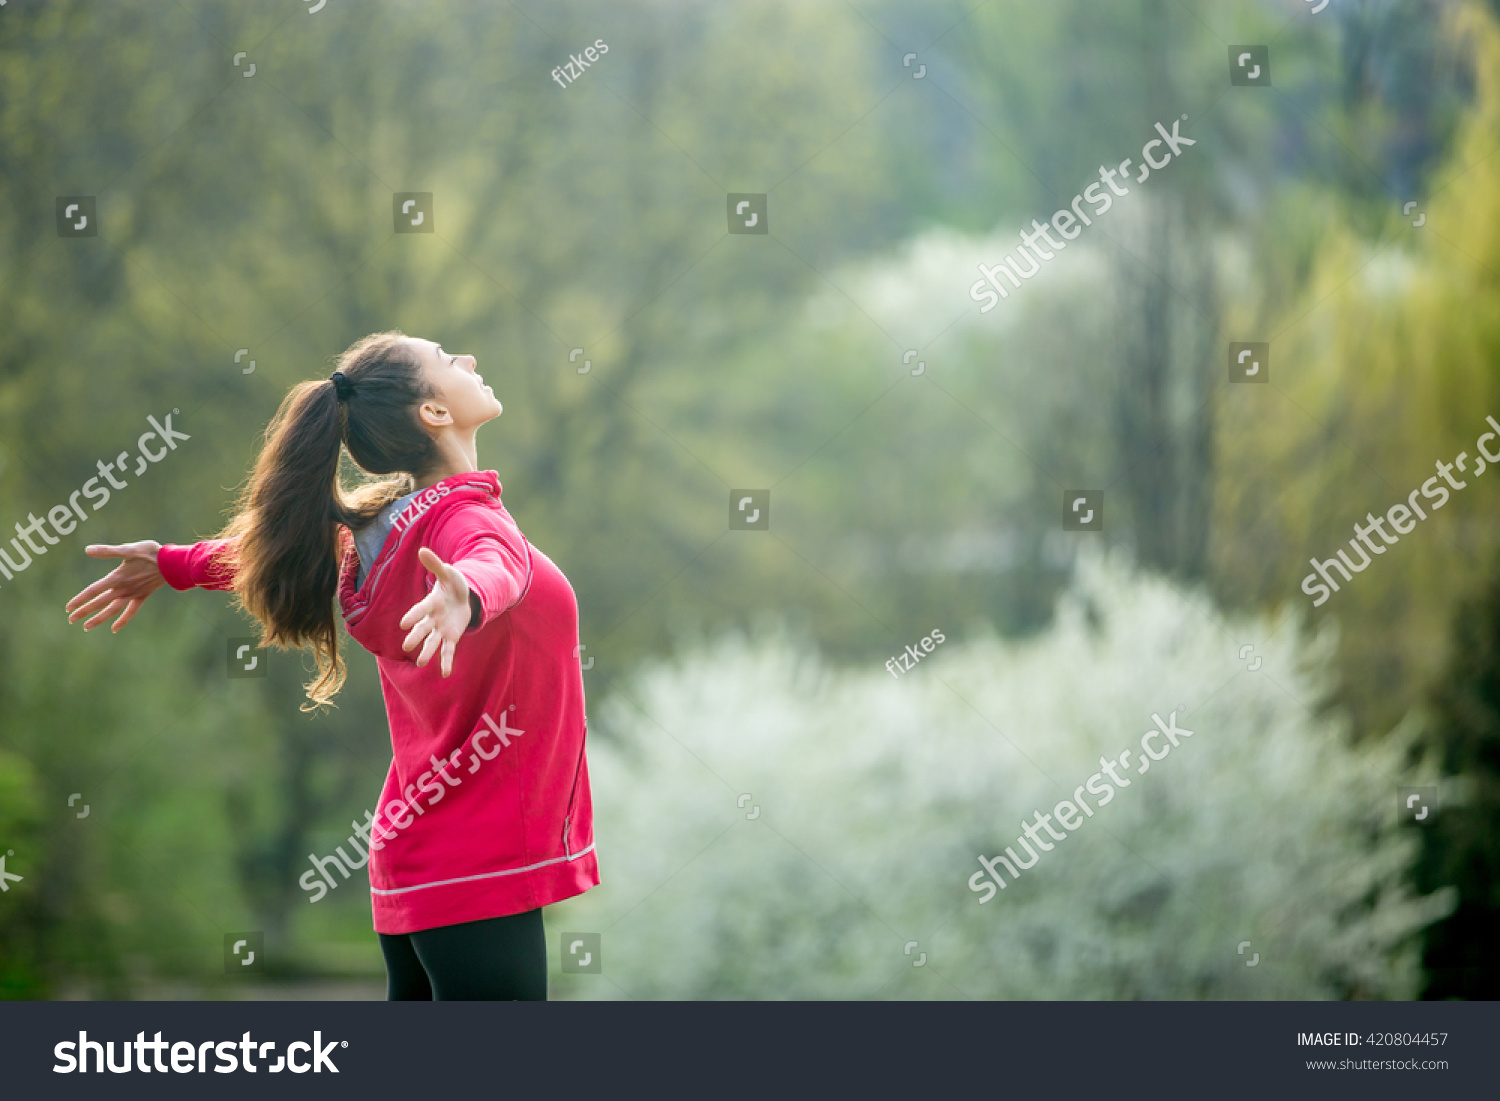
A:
{"points": [[460, 391]]}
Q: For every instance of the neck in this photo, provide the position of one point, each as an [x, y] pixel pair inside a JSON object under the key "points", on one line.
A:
{"points": [[456, 455]]}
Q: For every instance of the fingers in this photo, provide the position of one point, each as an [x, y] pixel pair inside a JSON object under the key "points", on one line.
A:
{"points": [[420, 610], [418, 632], [126, 616], [102, 598], [450, 575], [88, 594], [429, 559], [89, 598], [427, 618], [434, 640], [102, 616], [456, 580], [122, 576]]}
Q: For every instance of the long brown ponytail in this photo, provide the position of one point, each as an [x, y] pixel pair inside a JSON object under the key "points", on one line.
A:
{"points": [[285, 527]]}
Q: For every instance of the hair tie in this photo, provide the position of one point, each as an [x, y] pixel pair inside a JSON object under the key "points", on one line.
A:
{"points": [[341, 385]]}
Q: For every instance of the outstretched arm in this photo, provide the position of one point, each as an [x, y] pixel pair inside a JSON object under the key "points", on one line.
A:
{"points": [[145, 567]]}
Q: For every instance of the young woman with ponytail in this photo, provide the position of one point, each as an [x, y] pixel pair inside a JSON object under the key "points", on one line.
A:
{"points": [[485, 816]]}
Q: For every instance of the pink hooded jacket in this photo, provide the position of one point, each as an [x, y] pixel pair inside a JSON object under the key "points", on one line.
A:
{"points": [[486, 808]]}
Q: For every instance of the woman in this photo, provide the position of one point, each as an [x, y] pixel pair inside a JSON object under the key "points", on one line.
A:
{"points": [[485, 816]]}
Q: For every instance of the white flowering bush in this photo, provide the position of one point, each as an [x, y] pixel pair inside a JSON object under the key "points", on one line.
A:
{"points": [[769, 827]]}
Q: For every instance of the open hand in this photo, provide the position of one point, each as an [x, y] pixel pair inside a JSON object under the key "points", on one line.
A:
{"points": [[439, 619], [126, 586]]}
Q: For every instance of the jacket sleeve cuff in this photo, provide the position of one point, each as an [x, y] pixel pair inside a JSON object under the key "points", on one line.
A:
{"points": [[196, 566], [173, 562], [496, 589]]}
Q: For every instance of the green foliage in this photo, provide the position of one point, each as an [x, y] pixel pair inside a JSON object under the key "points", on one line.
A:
{"points": [[19, 818], [1383, 364], [255, 212], [870, 800], [1462, 844]]}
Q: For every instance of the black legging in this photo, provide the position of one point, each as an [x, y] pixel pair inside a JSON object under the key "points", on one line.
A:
{"points": [[497, 959]]}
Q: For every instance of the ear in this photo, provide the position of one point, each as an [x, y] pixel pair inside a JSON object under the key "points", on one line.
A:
{"points": [[434, 414]]}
